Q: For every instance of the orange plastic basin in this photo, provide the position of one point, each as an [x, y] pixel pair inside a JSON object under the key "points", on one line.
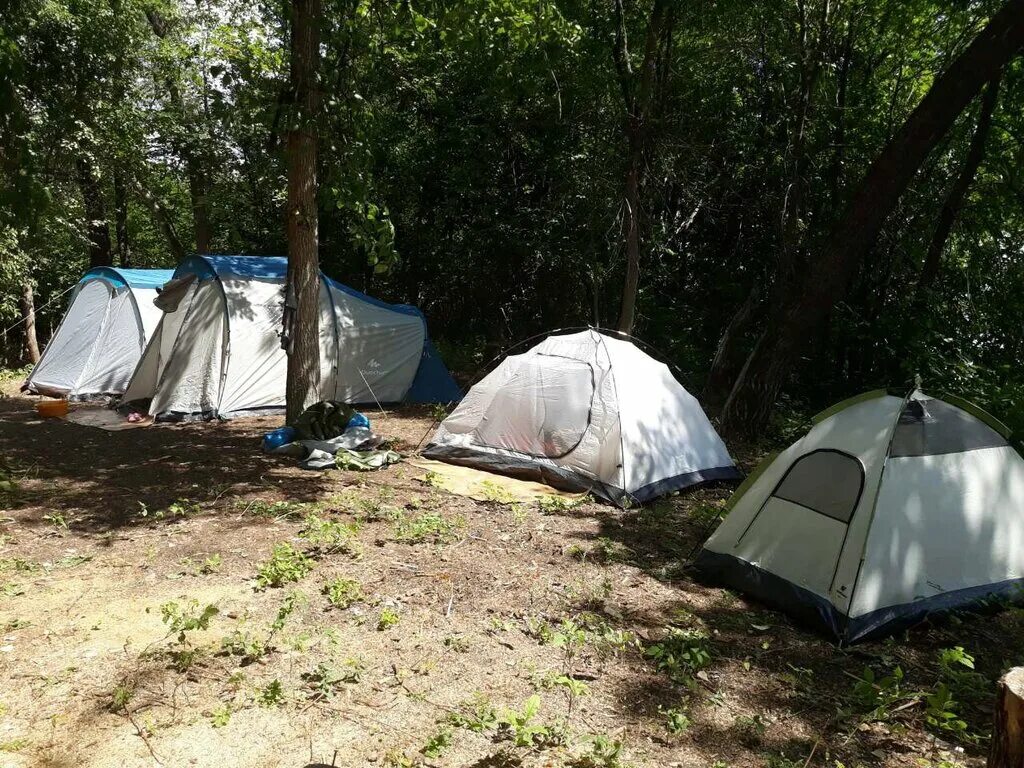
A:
{"points": [[52, 408]]}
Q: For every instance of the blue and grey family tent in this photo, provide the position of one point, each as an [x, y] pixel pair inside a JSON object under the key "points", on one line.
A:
{"points": [[102, 335], [890, 509], [216, 351]]}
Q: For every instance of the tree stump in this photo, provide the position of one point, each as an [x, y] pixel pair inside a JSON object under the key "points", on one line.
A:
{"points": [[1007, 750]]}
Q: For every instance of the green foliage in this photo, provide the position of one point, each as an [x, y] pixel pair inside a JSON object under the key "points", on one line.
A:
{"points": [[428, 526], [220, 716], [286, 565], [681, 653], [341, 593], [477, 715], [271, 695], [387, 619], [121, 696], [182, 619], [330, 536], [677, 721], [437, 744], [520, 726], [278, 510], [604, 753]]}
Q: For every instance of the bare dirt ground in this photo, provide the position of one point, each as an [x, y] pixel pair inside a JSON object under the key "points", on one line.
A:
{"points": [[464, 618]]}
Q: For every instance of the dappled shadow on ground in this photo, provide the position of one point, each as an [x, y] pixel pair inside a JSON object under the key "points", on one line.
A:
{"points": [[766, 676], [104, 479]]}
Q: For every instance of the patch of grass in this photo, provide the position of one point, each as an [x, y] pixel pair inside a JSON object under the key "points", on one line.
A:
{"points": [[476, 715], [330, 537], [497, 493], [278, 510], [211, 564], [437, 744], [387, 619], [522, 728], [341, 593], [181, 620], [428, 526], [8, 589], [457, 643], [176, 509], [57, 520], [324, 680], [271, 695], [604, 550], [221, 716], [681, 653], [19, 565], [676, 719], [121, 696], [247, 647], [13, 745], [552, 505], [604, 753], [286, 565]]}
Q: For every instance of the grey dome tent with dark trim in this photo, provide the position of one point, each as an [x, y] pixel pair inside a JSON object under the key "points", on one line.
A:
{"points": [[586, 412], [888, 510]]}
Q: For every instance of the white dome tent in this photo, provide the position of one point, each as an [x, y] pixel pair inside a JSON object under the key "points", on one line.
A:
{"points": [[217, 352], [589, 412], [102, 335], [889, 509]]}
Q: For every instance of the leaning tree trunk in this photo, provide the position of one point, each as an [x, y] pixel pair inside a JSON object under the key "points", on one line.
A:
{"points": [[637, 92], [302, 304], [728, 361], [801, 314], [28, 316], [958, 192], [1007, 747], [97, 227]]}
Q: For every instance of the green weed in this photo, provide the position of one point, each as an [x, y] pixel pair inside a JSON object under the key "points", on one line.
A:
{"points": [[286, 565], [341, 593], [428, 526]]}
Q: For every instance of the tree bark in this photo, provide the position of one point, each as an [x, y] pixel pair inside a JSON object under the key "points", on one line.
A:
{"points": [[96, 225], [728, 361], [301, 336], [163, 220], [958, 192], [637, 95], [28, 315], [802, 314], [1007, 747], [124, 255]]}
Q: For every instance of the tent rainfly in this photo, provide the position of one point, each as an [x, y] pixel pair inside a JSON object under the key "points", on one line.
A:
{"points": [[102, 335], [890, 509], [586, 412], [217, 353]]}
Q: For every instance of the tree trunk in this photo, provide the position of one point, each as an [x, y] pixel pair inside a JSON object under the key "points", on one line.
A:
{"points": [[801, 315], [1007, 747], [28, 315], [811, 60], [301, 335], [955, 198], [124, 255], [728, 361], [163, 220], [637, 95], [96, 225], [835, 172], [189, 150]]}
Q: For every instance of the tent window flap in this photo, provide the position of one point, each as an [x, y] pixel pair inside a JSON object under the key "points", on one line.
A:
{"points": [[826, 481]]}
